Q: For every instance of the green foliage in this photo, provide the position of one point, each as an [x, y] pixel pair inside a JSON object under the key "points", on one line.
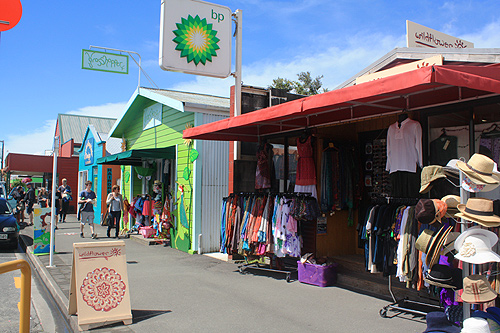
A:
{"points": [[16, 182], [305, 84]]}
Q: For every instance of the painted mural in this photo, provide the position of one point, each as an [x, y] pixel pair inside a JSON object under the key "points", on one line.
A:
{"points": [[41, 238]]}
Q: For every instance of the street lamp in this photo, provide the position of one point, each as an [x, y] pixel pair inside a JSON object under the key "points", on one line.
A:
{"points": [[53, 205]]}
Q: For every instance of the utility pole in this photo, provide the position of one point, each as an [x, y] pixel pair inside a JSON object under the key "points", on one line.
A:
{"points": [[1, 170]]}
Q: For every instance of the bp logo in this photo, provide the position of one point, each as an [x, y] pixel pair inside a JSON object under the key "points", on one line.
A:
{"points": [[196, 40]]}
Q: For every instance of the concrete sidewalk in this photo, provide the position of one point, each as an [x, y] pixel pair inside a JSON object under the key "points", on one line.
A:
{"points": [[172, 291]]}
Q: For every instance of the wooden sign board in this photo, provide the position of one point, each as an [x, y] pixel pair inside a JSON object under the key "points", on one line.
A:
{"points": [[99, 290]]}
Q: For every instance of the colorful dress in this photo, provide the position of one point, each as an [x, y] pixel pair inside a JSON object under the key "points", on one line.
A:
{"points": [[263, 172], [306, 170]]}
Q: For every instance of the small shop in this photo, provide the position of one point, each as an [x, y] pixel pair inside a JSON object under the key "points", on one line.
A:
{"points": [[171, 183], [366, 145], [103, 177]]}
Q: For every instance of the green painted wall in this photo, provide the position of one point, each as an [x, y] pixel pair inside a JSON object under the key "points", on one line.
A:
{"points": [[168, 134]]}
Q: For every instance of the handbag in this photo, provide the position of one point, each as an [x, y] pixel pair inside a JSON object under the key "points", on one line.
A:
{"points": [[106, 219]]}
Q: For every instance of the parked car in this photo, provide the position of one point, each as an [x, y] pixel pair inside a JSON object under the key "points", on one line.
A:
{"points": [[9, 229]]}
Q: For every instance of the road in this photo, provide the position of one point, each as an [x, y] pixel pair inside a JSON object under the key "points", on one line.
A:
{"points": [[44, 315]]}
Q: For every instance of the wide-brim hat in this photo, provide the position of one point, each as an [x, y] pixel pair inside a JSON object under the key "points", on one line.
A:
{"points": [[477, 289], [474, 246], [479, 210], [488, 314], [436, 246], [429, 174], [479, 169], [438, 322], [445, 277], [475, 325], [470, 186]]}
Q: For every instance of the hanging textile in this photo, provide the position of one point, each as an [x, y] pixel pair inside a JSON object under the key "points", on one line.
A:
{"points": [[266, 225]]}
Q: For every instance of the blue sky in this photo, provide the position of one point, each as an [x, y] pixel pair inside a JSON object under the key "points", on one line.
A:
{"points": [[40, 58]]}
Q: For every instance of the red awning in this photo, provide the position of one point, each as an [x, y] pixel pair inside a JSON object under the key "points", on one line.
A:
{"points": [[418, 89]]}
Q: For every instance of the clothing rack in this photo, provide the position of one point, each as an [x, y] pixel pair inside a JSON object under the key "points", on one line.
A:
{"points": [[405, 305], [277, 263]]}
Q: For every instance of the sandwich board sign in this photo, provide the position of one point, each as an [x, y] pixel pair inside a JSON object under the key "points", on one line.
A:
{"points": [[195, 38], [41, 230], [99, 289]]}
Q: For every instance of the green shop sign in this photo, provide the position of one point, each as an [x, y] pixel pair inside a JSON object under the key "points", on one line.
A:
{"points": [[105, 62]]}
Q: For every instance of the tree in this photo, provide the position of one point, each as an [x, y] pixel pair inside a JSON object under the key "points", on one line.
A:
{"points": [[305, 84]]}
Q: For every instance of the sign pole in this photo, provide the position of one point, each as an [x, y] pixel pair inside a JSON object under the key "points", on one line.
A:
{"points": [[237, 74], [53, 205]]}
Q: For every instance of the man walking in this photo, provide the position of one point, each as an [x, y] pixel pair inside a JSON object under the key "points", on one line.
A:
{"points": [[65, 190], [88, 199], [30, 201]]}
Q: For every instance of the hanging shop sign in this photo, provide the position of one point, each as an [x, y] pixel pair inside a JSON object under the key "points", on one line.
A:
{"points": [[99, 289], [418, 35], [88, 152], [195, 38], [104, 62], [436, 60]]}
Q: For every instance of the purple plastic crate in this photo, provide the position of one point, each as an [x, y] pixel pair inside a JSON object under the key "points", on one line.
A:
{"points": [[322, 276]]}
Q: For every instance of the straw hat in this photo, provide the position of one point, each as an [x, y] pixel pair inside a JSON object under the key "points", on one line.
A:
{"points": [[451, 201], [479, 169], [470, 186], [474, 246], [477, 289], [424, 240], [449, 243], [479, 210], [429, 174], [436, 245]]}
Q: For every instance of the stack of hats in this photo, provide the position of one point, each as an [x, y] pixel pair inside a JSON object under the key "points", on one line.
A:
{"points": [[431, 243], [479, 210], [429, 211]]}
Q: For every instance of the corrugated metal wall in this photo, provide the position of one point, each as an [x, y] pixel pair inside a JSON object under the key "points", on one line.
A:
{"points": [[214, 186]]}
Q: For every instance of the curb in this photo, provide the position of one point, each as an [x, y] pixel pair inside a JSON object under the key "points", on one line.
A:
{"points": [[60, 299]]}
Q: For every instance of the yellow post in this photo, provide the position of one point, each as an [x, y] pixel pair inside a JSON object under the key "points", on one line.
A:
{"points": [[24, 322]]}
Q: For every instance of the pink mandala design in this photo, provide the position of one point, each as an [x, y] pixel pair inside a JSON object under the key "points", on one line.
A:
{"points": [[103, 289]]}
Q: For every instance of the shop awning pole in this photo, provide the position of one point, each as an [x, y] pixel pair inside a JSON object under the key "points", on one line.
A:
{"points": [[53, 204], [237, 73]]}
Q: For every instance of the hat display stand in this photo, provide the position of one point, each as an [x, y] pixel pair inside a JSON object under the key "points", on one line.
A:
{"points": [[464, 196]]}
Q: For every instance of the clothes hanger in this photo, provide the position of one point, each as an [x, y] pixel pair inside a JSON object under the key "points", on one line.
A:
{"points": [[402, 117], [443, 134], [330, 146], [492, 131]]}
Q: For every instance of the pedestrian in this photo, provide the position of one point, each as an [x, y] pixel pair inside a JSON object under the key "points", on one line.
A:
{"points": [[65, 190], [30, 199], [16, 194], [57, 204], [21, 203], [43, 198], [115, 208], [88, 199]]}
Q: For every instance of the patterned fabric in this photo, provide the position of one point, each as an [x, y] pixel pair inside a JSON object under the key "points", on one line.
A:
{"points": [[263, 171]]}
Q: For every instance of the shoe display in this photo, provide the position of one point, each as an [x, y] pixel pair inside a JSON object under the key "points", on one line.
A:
{"points": [[81, 235]]}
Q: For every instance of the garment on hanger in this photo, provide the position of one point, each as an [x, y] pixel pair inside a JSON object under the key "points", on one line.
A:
{"points": [[306, 170], [443, 149], [404, 146], [263, 171]]}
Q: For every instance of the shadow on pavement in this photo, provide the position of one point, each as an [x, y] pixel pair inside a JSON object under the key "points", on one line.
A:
{"points": [[137, 316]]}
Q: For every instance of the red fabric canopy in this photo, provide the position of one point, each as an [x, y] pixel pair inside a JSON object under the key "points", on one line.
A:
{"points": [[418, 89]]}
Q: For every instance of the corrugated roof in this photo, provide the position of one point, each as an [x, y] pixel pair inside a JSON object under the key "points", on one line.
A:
{"points": [[74, 126], [194, 98]]}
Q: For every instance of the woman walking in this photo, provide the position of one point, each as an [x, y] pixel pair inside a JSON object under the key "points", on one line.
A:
{"points": [[115, 206]]}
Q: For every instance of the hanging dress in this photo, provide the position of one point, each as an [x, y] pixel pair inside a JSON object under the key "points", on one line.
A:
{"points": [[263, 172]]}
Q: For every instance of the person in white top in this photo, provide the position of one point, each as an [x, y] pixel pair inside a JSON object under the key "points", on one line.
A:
{"points": [[115, 207]]}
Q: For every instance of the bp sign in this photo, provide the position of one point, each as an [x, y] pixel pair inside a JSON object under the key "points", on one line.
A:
{"points": [[195, 38]]}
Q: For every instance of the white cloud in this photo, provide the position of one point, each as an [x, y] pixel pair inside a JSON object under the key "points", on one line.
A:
{"points": [[487, 37], [335, 64], [108, 110], [32, 141], [37, 141]]}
